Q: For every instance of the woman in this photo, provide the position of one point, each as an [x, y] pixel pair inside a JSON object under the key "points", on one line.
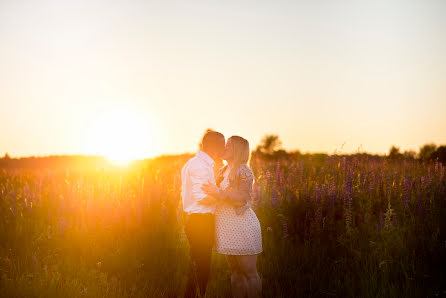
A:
{"points": [[237, 229]]}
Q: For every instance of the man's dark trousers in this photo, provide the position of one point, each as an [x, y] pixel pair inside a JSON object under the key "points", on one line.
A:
{"points": [[200, 231]]}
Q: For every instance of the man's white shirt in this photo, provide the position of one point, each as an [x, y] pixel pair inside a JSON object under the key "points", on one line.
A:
{"points": [[196, 172]]}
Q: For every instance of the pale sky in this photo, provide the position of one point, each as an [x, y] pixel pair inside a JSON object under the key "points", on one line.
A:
{"points": [[81, 77]]}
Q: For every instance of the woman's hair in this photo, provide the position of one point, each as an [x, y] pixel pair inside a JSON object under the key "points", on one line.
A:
{"points": [[240, 154]]}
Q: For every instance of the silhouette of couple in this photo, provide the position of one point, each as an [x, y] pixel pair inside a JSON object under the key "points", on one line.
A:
{"points": [[218, 216]]}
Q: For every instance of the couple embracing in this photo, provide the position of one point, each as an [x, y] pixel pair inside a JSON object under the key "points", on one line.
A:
{"points": [[218, 216]]}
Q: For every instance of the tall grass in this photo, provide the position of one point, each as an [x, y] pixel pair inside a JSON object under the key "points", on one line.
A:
{"points": [[338, 227]]}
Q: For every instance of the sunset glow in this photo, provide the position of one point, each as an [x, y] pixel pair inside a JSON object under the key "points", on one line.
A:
{"points": [[365, 74], [121, 135]]}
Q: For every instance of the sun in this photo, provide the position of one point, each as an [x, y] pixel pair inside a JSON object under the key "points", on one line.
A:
{"points": [[122, 135]]}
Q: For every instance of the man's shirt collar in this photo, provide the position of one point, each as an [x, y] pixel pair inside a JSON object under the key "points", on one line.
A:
{"points": [[205, 157]]}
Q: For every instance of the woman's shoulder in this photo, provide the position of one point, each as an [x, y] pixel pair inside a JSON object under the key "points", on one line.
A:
{"points": [[244, 172]]}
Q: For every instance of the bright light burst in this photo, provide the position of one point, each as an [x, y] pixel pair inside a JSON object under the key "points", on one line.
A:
{"points": [[122, 135]]}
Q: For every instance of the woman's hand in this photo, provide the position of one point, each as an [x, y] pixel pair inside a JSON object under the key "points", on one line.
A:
{"points": [[211, 189]]}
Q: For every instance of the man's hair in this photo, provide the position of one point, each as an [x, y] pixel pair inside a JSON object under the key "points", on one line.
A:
{"points": [[211, 140]]}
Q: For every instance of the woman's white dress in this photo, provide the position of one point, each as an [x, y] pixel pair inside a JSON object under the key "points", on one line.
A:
{"points": [[236, 234]]}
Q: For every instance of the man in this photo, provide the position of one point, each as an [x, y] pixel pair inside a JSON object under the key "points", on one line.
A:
{"points": [[199, 210]]}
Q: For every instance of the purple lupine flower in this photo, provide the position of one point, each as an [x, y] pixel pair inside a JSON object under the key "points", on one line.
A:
{"points": [[406, 192], [363, 178], [332, 194], [300, 173], [348, 186], [274, 198], [35, 260], [347, 197], [317, 194], [282, 178], [422, 182], [318, 217], [372, 185], [291, 179], [277, 173], [344, 162], [268, 177], [285, 230]]}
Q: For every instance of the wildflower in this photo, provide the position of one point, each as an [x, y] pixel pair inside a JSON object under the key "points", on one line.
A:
{"points": [[388, 215], [318, 217], [332, 194], [371, 185], [274, 198], [300, 173], [268, 177], [317, 194], [278, 173], [285, 230], [344, 162], [348, 186], [406, 191], [281, 178]]}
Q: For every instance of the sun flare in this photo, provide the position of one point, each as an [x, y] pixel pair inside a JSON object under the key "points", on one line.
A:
{"points": [[122, 136]]}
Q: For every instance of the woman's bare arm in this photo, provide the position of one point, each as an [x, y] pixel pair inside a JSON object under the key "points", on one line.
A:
{"points": [[239, 197]]}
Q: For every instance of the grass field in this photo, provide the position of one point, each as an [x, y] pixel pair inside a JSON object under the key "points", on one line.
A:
{"points": [[355, 226]]}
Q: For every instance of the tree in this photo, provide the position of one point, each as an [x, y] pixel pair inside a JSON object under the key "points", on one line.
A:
{"points": [[269, 144], [426, 151], [394, 152], [410, 154], [439, 154]]}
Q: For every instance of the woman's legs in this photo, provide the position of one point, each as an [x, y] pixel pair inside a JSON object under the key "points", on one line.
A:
{"points": [[247, 265], [238, 280]]}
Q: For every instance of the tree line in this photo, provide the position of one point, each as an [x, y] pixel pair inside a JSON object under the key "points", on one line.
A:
{"points": [[270, 147]]}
